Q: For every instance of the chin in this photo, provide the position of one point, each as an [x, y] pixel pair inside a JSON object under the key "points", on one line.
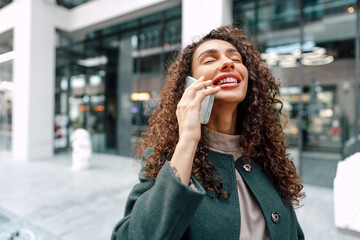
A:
{"points": [[229, 99]]}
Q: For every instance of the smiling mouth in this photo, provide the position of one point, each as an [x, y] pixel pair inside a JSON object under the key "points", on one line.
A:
{"points": [[227, 80]]}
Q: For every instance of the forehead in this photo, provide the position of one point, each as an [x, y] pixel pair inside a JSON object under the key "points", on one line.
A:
{"points": [[216, 44]]}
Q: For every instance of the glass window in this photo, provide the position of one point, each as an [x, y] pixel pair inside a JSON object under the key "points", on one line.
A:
{"points": [[150, 19], [327, 72], [278, 15], [277, 40], [244, 16], [172, 33], [109, 78], [130, 25], [317, 10], [3, 3], [6, 42], [71, 3], [174, 12], [150, 36], [6, 89], [61, 119]]}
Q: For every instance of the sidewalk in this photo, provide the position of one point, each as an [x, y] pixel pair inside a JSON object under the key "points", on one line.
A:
{"points": [[44, 197], [67, 205]]}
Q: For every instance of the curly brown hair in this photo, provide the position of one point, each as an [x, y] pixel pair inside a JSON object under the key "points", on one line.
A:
{"points": [[261, 134]]}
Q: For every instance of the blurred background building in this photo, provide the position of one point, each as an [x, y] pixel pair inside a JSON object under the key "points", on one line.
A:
{"points": [[67, 64]]}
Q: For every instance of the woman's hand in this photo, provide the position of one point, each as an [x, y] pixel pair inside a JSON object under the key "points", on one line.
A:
{"points": [[188, 109], [188, 115]]}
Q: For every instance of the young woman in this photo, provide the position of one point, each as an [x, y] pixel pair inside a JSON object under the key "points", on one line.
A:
{"points": [[228, 179]]}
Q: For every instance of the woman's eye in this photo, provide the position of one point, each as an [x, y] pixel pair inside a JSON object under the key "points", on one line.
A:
{"points": [[209, 61], [236, 60]]}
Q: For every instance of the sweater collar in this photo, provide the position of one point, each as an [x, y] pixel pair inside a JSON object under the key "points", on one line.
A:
{"points": [[220, 141]]}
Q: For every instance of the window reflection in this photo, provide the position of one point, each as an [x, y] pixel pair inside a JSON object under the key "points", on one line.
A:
{"points": [[6, 88], [320, 129], [324, 134], [111, 78], [71, 3], [3, 3]]}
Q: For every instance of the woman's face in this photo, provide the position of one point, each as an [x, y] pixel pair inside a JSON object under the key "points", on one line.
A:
{"points": [[220, 61]]}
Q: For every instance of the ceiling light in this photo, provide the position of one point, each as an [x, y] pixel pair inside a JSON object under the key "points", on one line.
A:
{"points": [[351, 9], [317, 61], [92, 62], [140, 96]]}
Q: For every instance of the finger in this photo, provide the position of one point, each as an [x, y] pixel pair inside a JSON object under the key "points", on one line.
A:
{"points": [[202, 78], [198, 85], [191, 91], [206, 92], [189, 95]]}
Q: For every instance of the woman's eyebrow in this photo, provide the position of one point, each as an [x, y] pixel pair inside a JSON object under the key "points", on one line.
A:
{"points": [[209, 51], [231, 50], [212, 51]]}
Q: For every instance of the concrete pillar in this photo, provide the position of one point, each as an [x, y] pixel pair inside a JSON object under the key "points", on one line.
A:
{"points": [[33, 77], [201, 16], [124, 90]]}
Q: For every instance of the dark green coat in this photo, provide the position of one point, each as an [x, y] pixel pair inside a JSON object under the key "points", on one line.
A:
{"points": [[167, 209]]}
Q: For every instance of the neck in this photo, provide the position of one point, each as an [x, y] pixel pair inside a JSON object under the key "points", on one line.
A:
{"points": [[223, 118]]}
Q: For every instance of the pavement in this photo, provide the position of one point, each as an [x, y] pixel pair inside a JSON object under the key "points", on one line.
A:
{"points": [[319, 168], [43, 200]]}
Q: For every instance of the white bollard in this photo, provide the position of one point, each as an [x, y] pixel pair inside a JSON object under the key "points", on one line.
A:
{"points": [[81, 149], [347, 194]]}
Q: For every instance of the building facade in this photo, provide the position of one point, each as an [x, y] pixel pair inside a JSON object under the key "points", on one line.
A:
{"points": [[96, 65]]}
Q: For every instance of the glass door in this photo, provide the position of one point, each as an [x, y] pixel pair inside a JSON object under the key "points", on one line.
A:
{"points": [[6, 87]]}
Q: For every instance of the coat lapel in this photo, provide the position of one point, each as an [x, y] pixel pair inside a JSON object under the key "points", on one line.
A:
{"points": [[275, 212]]}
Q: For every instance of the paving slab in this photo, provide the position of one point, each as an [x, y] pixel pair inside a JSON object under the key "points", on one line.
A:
{"points": [[13, 227], [69, 205]]}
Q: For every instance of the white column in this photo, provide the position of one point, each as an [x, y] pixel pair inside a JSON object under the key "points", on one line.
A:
{"points": [[201, 16], [34, 74]]}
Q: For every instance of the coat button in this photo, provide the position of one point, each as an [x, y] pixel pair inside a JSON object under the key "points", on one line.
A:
{"points": [[247, 167], [275, 217]]}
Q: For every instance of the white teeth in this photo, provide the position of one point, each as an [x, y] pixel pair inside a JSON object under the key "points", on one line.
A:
{"points": [[227, 80]]}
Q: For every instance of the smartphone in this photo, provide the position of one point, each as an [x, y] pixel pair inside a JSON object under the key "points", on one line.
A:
{"points": [[206, 104]]}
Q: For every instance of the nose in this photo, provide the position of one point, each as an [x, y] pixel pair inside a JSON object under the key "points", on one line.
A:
{"points": [[227, 65]]}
